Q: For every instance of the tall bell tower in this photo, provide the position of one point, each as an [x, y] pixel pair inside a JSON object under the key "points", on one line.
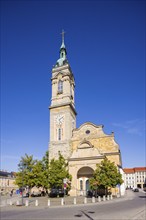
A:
{"points": [[62, 108]]}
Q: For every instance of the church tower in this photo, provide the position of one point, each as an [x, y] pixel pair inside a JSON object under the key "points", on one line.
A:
{"points": [[62, 108]]}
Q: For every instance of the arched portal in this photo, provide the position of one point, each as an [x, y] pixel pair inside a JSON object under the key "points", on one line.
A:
{"points": [[83, 176]]}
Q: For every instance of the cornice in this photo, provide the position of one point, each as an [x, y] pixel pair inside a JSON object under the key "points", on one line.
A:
{"points": [[87, 158], [62, 105]]}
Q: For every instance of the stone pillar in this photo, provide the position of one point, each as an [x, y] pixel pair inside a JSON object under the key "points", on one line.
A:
{"points": [[48, 202], [99, 199], [93, 199], [62, 201], [36, 203], [103, 198], [85, 200], [74, 201]]}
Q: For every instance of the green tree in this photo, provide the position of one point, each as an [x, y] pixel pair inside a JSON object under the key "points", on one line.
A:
{"points": [[45, 171], [33, 172], [25, 176], [106, 175], [58, 171]]}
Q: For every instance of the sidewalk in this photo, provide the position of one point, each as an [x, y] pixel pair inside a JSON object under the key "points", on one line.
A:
{"points": [[67, 201]]}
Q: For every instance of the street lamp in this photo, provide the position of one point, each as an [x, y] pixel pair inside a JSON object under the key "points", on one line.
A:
{"points": [[23, 167]]}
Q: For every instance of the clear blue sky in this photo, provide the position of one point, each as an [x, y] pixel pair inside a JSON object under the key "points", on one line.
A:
{"points": [[105, 42]]}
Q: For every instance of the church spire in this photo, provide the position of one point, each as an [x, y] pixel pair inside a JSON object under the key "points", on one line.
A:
{"points": [[63, 53]]}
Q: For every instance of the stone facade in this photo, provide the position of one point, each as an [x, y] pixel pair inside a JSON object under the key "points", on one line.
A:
{"points": [[83, 147], [90, 145]]}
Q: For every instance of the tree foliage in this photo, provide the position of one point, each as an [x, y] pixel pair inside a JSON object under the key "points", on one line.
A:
{"points": [[106, 175], [58, 171], [40, 174], [24, 176], [32, 172]]}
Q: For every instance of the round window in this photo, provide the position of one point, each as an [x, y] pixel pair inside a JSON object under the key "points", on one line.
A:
{"points": [[87, 132]]}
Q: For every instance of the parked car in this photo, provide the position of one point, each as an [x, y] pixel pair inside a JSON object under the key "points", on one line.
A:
{"points": [[36, 194], [55, 192], [136, 190]]}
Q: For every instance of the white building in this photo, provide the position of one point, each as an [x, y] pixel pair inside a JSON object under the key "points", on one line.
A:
{"points": [[135, 177]]}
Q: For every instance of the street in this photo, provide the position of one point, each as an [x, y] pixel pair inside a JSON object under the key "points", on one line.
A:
{"points": [[132, 206]]}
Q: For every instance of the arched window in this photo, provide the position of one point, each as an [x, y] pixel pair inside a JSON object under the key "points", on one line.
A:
{"points": [[81, 184], [60, 86], [59, 134]]}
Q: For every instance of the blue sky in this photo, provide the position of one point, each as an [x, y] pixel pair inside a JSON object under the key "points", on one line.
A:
{"points": [[105, 42]]}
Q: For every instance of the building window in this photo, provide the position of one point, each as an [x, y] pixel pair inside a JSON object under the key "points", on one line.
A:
{"points": [[60, 86], [81, 184], [59, 134]]}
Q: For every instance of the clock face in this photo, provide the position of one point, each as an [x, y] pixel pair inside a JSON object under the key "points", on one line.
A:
{"points": [[59, 119]]}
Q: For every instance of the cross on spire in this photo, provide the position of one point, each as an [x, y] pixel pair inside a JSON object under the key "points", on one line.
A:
{"points": [[62, 33]]}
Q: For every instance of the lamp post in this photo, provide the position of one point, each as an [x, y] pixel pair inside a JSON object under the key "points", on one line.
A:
{"points": [[23, 167]]}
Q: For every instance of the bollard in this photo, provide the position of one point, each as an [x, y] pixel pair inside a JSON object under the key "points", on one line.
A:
{"points": [[75, 201], [107, 197], [93, 199], [85, 200], [99, 199], [62, 201], [48, 202], [103, 198], [17, 202], [118, 195], [36, 203], [11, 202], [26, 203], [111, 196]]}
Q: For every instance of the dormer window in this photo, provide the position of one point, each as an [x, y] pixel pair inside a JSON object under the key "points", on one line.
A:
{"points": [[60, 87]]}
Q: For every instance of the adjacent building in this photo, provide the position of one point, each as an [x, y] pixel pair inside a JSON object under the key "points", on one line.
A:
{"points": [[83, 147], [135, 177], [7, 180]]}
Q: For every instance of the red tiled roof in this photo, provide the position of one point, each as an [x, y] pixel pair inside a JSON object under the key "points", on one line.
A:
{"points": [[135, 169], [128, 170], [139, 169]]}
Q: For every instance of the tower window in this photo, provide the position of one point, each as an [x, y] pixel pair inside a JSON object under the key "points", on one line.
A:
{"points": [[59, 134], [60, 86]]}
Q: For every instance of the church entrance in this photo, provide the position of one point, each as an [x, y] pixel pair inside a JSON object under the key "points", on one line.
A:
{"points": [[83, 176]]}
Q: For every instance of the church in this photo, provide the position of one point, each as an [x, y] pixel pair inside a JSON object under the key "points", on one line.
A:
{"points": [[82, 147]]}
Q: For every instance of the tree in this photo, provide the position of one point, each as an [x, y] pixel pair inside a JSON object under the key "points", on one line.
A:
{"points": [[25, 176], [58, 171], [33, 172], [45, 171], [106, 175]]}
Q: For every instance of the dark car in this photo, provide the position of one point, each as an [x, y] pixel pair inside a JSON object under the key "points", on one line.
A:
{"points": [[55, 192], [136, 190], [61, 192]]}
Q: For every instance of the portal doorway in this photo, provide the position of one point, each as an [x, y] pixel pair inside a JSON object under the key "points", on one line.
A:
{"points": [[83, 176]]}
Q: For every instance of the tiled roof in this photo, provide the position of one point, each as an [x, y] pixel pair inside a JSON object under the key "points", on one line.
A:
{"points": [[139, 169], [128, 170], [135, 169]]}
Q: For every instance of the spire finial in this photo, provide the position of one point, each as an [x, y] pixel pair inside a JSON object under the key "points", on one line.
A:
{"points": [[62, 33]]}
